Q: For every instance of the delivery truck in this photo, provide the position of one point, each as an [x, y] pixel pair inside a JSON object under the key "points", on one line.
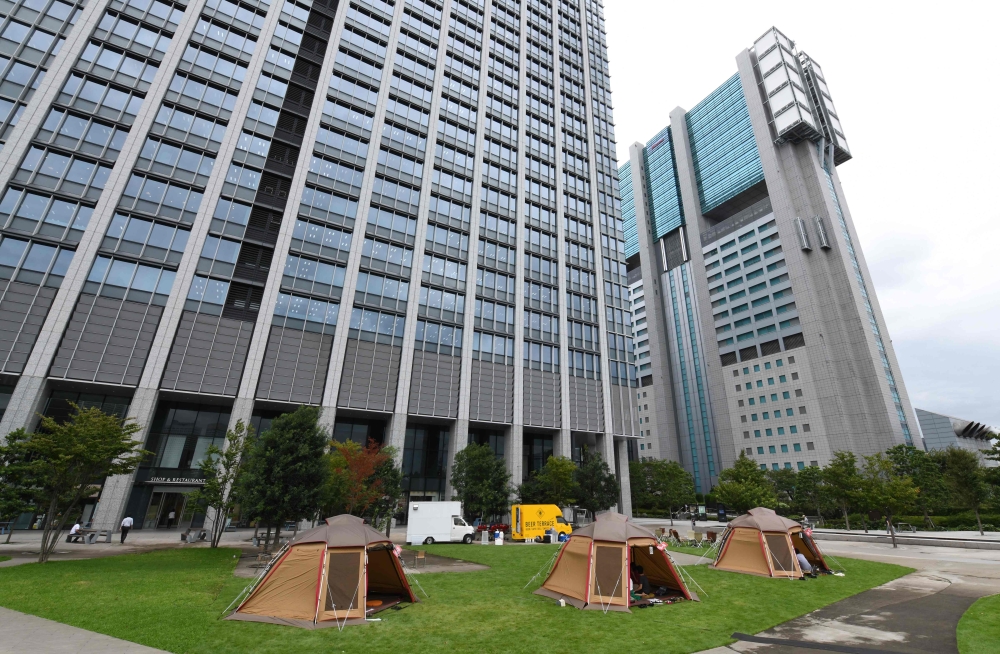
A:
{"points": [[533, 521], [437, 522]]}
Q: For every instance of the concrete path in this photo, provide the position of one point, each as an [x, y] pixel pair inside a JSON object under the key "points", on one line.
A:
{"points": [[21, 633], [916, 614]]}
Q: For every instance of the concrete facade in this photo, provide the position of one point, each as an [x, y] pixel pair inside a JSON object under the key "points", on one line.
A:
{"points": [[795, 360], [404, 213]]}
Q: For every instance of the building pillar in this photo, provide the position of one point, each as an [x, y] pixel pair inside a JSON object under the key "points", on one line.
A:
{"points": [[514, 453], [625, 502], [563, 442], [25, 404], [117, 489], [457, 442]]}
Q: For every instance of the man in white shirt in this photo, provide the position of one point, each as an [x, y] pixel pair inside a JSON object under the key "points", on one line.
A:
{"points": [[74, 533], [126, 525]]}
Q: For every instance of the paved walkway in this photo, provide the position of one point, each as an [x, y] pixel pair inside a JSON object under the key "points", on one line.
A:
{"points": [[21, 633], [916, 614]]}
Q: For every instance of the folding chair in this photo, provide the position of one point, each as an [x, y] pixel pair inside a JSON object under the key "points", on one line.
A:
{"points": [[421, 557]]}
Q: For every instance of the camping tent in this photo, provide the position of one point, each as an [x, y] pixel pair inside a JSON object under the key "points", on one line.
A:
{"points": [[592, 570], [763, 543], [333, 575]]}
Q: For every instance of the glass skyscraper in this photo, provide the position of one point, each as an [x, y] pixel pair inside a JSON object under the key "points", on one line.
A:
{"points": [[757, 326], [405, 213]]}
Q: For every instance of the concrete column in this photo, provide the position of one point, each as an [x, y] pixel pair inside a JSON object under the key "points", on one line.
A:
{"points": [[117, 489], [514, 452], [563, 443], [457, 441], [625, 503]]}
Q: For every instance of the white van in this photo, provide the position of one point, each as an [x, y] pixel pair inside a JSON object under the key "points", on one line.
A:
{"points": [[437, 522]]}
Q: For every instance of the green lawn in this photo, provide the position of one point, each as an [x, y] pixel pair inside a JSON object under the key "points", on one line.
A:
{"points": [[979, 628], [4, 558], [172, 600]]}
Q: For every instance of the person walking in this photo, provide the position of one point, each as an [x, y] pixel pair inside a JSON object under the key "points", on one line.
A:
{"points": [[126, 525]]}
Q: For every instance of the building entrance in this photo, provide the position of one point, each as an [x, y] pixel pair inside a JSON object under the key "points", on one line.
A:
{"points": [[170, 509]]}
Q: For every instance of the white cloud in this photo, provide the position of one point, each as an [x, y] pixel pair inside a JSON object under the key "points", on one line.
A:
{"points": [[915, 89]]}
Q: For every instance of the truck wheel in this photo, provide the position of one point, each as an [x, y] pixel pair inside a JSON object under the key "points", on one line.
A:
{"points": [[467, 539], [538, 539], [428, 541]]}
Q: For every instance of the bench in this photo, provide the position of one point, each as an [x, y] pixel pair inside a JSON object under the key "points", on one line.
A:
{"points": [[78, 537], [194, 535], [5, 527], [908, 527]]}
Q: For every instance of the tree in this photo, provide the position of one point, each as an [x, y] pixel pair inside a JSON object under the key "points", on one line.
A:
{"points": [[810, 490], [660, 485], [555, 484], [481, 481], [783, 480], [67, 459], [926, 474], [842, 482], [285, 472], [390, 478], [363, 481], [886, 489], [745, 486], [17, 485], [221, 470], [966, 479], [597, 488]]}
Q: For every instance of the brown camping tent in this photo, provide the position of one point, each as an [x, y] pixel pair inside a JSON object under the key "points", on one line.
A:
{"points": [[592, 570], [763, 543], [332, 575]]}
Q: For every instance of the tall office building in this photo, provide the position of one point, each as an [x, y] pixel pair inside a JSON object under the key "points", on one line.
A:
{"points": [[757, 326], [402, 212]]}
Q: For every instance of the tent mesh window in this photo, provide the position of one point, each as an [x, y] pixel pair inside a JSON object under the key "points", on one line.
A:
{"points": [[344, 573], [609, 570], [781, 555]]}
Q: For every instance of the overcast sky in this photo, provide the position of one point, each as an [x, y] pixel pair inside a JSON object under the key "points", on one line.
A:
{"points": [[917, 94]]}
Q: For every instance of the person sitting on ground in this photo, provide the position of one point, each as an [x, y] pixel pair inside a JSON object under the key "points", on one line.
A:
{"points": [[639, 579], [804, 563]]}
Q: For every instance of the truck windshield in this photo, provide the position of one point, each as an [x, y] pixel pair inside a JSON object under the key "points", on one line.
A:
{"points": [[561, 520]]}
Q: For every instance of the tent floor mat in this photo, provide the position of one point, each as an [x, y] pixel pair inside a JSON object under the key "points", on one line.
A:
{"points": [[388, 601]]}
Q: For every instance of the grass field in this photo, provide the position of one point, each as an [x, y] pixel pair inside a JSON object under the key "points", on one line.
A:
{"points": [[4, 558], [173, 600], [979, 628]]}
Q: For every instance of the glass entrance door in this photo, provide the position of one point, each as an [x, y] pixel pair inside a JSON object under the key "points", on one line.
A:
{"points": [[168, 511]]}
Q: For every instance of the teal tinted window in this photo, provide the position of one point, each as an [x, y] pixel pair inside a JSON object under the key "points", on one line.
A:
{"points": [[723, 146]]}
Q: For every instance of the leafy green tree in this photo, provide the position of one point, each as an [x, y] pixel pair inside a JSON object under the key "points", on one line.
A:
{"points": [[843, 482], [993, 474], [597, 487], [285, 472], [530, 491], [745, 486], [810, 491], [966, 478], [886, 490], [221, 469], [68, 458], [17, 484], [926, 474], [659, 485], [783, 480], [481, 481], [555, 484]]}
